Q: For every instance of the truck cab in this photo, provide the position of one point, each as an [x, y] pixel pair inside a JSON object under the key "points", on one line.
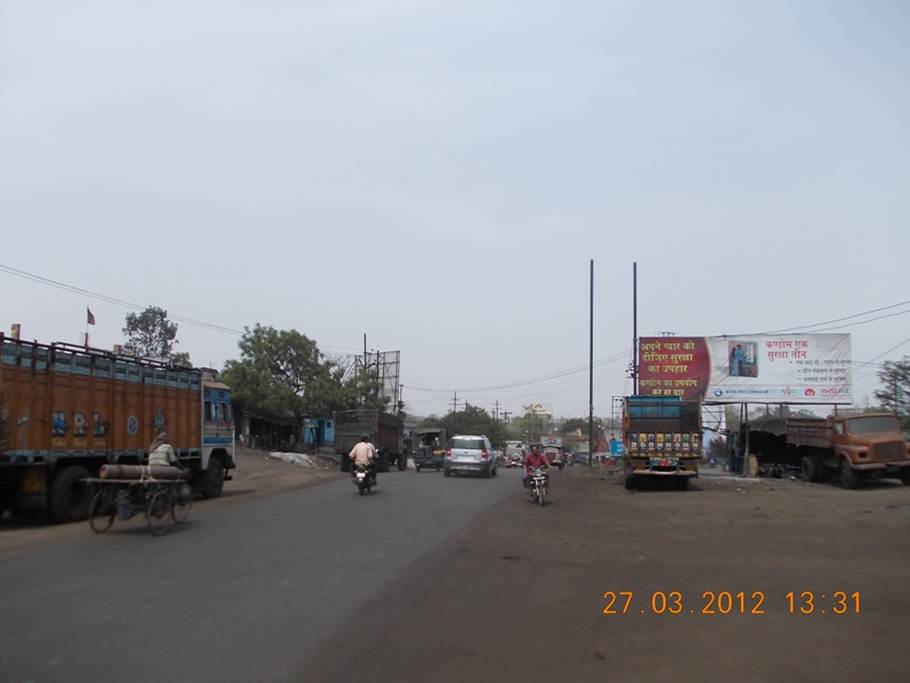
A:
{"points": [[856, 446]]}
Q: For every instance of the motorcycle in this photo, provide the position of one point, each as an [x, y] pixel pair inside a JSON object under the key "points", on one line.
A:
{"points": [[362, 480], [538, 485]]}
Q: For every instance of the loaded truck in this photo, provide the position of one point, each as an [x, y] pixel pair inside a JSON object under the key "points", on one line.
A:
{"points": [[662, 438], [852, 447], [67, 410], [385, 432], [552, 450]]}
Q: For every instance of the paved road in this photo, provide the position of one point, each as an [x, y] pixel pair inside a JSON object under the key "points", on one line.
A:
{"points": [[241, 592]]}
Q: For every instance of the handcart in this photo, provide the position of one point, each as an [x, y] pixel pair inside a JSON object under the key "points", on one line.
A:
{"points": [[162, 501]]}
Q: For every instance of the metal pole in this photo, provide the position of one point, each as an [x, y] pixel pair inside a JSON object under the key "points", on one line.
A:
{"points": [[635, 327], [591, 370]]}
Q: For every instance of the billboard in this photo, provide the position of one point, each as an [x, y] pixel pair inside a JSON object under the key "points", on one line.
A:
{"points": [[790, 368]]}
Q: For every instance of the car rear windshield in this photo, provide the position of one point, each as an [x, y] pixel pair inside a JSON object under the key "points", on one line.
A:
{"points": [[872, 425], [476, 444]]}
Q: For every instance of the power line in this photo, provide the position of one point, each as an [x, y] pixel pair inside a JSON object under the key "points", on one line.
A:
{"points": [[835, 320], [214, 327]]}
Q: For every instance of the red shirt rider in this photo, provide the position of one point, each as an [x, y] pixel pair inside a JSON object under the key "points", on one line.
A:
{"points": [[535, 459]]}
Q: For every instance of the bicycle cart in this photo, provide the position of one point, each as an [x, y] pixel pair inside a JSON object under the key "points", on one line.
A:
{"points": [[162, 501]]}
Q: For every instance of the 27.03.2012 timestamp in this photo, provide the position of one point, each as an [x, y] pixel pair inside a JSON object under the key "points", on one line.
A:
{"points": [[729, 602]]}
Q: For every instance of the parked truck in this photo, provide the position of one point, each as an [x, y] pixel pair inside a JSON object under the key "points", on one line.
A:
{"points": [[66, 410], [662, 438], [384, 430], [853, 447]]}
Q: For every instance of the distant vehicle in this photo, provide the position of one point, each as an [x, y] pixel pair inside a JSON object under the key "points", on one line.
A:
{"points": [[855, 447], [471, 453], [663, 437], [384, 430], [555, 456], [67, 410], [514, 454], [429, 447]]}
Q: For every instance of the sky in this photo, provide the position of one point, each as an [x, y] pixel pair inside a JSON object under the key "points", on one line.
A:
{"points": [[437, 175]]}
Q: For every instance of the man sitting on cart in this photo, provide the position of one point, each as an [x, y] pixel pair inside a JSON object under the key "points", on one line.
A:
{"points": [[162, 454]]}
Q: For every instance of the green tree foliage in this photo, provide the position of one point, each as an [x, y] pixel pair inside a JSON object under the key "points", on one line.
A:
{"points": [[282, 372], [471, 420], [569, 426], [895, 392], [151, 335]]}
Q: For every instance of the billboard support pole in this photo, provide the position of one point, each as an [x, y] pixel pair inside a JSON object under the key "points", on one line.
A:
{"points": [[635, 327], [591, 369]]}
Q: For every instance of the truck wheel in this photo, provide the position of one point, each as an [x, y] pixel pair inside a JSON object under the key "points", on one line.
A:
{"points": [[905, 476], [402, 463], [682, 483], [848, 476], [630, 482], [811, 468], [213, 479], [446, 472], [69, 498]]}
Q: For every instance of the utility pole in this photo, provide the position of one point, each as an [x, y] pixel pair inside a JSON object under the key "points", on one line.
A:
{"points": [[496, 412], [455, 402]]}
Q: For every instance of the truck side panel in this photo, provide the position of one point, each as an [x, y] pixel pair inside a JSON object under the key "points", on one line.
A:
{"points": [[84, 405]]}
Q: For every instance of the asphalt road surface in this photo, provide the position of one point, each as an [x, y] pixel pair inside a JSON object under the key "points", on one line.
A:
{"points": [[434, 579], [238, 593]]}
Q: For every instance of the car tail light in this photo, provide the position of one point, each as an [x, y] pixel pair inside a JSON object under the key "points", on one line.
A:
{"points": [[448, 452], [484, 455]]}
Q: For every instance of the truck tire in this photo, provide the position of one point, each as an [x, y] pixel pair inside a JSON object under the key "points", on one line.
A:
{"points": [[630, 482], [848, 476], [811, 468], [213, 479], [402, 462], [682, 483], [905, 476], [68, 499]]}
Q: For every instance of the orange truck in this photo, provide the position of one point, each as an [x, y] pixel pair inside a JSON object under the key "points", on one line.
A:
{"points": [[67, 410]]}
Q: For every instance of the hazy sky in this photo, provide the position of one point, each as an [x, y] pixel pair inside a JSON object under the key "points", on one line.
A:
{"points": [[437, 175]]}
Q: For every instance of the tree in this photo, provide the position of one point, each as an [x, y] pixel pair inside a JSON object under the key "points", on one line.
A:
{"points": [[282, 372], [471, 420], [151, 335], [581, 423], [895, 392]]}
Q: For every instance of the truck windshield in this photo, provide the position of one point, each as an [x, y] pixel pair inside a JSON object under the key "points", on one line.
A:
{"points": [[872, 425]]}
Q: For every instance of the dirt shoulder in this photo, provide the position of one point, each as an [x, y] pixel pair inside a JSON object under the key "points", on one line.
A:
{"points": [[257, 474], [521, 595]]}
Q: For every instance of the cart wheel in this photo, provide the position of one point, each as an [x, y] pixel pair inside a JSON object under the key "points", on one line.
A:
{"points": [[101, 512], [157, 513], [182, 503]]}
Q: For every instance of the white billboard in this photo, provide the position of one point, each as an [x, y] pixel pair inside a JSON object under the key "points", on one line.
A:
{"points": [[790, 368]]}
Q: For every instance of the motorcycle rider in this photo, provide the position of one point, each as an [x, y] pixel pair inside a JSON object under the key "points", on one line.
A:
{"points": [[534, 460], [363, 455]]}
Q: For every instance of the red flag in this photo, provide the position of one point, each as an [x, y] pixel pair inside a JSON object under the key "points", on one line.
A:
{"points": [[91, 316]]}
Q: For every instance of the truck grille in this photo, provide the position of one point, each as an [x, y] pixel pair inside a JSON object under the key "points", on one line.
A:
{"points": [[892, 450]]}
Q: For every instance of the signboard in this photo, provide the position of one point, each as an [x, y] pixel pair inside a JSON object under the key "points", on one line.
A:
{"points": [[790, 368]]}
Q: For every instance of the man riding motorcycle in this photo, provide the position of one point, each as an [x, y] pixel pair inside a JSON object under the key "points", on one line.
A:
{"points": [[534, 460], [363, 455]]}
